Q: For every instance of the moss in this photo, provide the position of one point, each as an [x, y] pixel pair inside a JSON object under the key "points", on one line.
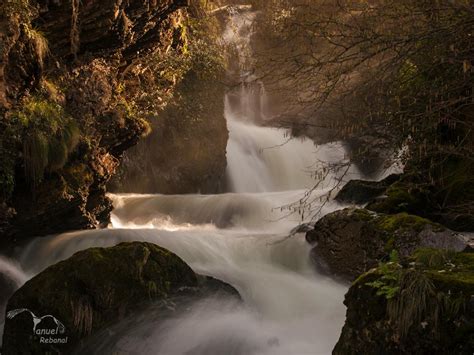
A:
{"points": [[433, 291], [392, 223], [401, 197], [451, 271], [98, 286], [20, 8], [363, 214]]}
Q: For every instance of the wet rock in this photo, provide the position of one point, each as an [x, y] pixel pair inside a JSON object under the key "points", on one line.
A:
{"points": [[94, 289], [425, 308], [361, 191], [349, 242]]}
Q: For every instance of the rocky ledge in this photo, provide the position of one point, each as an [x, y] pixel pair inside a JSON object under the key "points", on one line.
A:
{"points": [[96, 288], [349, 242], [424, 306]]}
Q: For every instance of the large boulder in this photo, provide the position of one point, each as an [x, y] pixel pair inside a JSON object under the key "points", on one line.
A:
{"points": [[94, 289], [349, 242], [426, 307]]}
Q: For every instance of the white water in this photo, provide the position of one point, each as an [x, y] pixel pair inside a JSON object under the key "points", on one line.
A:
{"points": [[11, 278], [239, 237]]}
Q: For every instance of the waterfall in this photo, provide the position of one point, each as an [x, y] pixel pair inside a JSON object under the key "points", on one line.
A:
{"points": [[12, 277], [241, 237]]}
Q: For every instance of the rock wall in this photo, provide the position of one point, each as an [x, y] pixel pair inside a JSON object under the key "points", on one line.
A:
{"points": [[79, 64]]}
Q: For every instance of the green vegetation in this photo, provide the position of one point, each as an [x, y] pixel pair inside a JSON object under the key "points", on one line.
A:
{"points": [[48, 137], [436, 285], [398, 72], [39, 40], [387, 284], [400, 221], [21, 8]]}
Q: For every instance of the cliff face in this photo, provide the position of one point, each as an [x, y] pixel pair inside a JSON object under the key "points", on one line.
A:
{"points": [[186, 150], [74, 95]]}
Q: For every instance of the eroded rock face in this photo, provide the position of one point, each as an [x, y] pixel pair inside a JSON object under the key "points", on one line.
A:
{"points": [[431, 309], [97, 287], [104, 26], [349, 242], [78, 55]]}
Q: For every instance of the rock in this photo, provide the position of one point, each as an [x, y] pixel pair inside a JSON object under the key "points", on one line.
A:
{"points": [[94, 289], [444, 199], [361, 191], [78, 56], [426, 308], [105, 26], [402, 196], [349, 242]]}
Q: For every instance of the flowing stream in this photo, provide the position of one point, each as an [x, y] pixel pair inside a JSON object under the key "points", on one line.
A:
{"points": [[240, 237]]}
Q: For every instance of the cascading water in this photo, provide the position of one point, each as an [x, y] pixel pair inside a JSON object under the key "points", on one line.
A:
{"points": [[240, 237], [11, 278]]}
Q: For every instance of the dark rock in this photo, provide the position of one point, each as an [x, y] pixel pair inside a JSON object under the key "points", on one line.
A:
{"points": [[429, 312], [98, 287], [403, 196], [349, 242], [104, 27], [445, 199], [361, 191]]}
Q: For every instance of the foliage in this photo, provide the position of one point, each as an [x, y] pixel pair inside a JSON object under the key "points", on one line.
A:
{"points": [[388, 284], [21, 8], [194, 50], [48, 136], [434, 286], [40, 42], [399, 70], [412, 303]]}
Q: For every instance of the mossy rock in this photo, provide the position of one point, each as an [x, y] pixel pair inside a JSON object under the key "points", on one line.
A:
{"points": [[349, 242], [402, 197], [448, 198], [361, 191], [92, 290], [430, 312]]}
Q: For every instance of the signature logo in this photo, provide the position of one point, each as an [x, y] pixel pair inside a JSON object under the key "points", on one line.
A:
{"points": [[60, 328]]}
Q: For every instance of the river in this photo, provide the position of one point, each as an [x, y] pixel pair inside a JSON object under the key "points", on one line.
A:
{"points": [[243, 237]]}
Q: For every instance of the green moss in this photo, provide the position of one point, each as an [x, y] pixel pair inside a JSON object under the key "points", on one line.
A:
{"points": [[451, 271], [363, 214], [401, 197], [392, 223], [99, 285], [434, 288]]}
